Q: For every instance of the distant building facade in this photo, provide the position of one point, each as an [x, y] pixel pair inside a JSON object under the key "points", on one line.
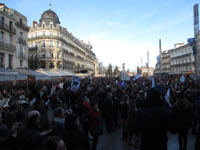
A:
{"points": [[179, 60], [182, 59], [147, 71], [51, 46], [166, 61], [13, 39]]}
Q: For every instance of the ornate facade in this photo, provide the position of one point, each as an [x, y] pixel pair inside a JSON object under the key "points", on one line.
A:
{"points": [[13, 39], [182, 59], [51, 46]]}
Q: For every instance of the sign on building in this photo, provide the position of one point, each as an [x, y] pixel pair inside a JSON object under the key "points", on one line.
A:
{"points": [[196, 19]]}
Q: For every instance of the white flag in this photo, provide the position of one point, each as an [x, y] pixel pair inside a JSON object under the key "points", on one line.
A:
{"points": [[182, 78], [167, 97], [153, 82]]}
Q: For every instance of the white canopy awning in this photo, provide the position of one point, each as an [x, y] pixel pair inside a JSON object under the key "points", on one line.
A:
{"points": [[11, 75], [36, 75], [54, 73]]}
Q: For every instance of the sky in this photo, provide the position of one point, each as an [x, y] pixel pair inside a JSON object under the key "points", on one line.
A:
{"points": [[120, 31]]}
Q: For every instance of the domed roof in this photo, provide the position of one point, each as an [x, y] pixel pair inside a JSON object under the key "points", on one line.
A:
{"points": [[48, 16]]}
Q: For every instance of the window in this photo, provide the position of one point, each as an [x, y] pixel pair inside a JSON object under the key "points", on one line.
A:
{"points": [[10, 39], [10, 25], [57, 43], [10, 57], [21, 63], [32, 44], [21, 50], [43, 33], [1, 60], [36, 34], [2, 20], [51, 43], [43, 25], [51, 33], [51, 55], [58, 35], [43, 54], [20, 21], [43, 43], [1, 36], [21, 34], [31, 35], [51, 25]]}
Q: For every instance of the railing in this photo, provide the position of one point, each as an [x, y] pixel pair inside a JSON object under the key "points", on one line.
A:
{"points": [[22, 26], [22, 41], [7, 46], [33, 48], [8, 28]]}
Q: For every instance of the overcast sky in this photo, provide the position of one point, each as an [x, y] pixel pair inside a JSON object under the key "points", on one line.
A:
{"points": [[121, 31]]}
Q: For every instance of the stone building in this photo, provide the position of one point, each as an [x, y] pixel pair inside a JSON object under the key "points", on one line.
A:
{"points": [[13, 39], [166, 61], [182, 59], [51, 46]]}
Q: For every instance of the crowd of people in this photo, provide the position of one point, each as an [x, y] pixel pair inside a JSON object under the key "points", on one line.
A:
{"points": [[51, 115]]}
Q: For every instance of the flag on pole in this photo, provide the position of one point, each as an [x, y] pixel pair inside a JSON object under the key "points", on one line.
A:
{"points": [[182, 78], [139, 71], [137, 76], [153, 82], [167, 98], [75, 84]]}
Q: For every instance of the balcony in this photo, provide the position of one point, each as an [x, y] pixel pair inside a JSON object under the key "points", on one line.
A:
{"points": [[7, 46], [33, 48], [22, 26], [22, 41], [7, 28]]}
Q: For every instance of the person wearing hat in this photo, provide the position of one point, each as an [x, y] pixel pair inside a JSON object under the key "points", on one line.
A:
{"points": [[58, 121]]}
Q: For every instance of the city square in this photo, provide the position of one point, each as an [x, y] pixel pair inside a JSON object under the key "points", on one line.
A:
{"points": [[99, 75]]}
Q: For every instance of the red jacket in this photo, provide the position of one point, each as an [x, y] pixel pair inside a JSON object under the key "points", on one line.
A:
{"points": [[94, 120]]}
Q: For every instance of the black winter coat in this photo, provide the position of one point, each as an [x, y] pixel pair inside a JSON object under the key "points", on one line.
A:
{"points": [[29, 138], [153, 122]]}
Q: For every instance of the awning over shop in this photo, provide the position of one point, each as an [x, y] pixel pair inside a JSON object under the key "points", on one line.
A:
{"points": [[11, 75], [34, 74], [54, 73]]}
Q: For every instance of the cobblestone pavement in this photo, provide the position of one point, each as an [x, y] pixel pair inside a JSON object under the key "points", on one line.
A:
{"points": [[114, 142]]}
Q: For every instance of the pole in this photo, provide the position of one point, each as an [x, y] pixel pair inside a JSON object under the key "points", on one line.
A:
{"points": [[160, 51]]}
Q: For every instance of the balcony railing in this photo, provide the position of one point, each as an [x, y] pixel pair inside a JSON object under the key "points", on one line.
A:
{"points": [[22, 26], [33, 48], [7, 46], [22, 41], [8, 28]]}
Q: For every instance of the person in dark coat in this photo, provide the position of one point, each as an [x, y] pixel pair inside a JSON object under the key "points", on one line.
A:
{"points": [[109, 112], [54, 143], [94, 123], [183, 112], [197, 114], [29, 137], [74, 137], [153, 121], [58, 121], [124, 116]]}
